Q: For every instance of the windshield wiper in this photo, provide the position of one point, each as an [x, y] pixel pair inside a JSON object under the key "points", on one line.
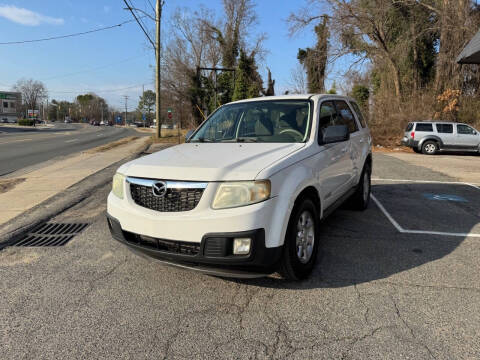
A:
{"points": [[201, 139], [246, 139]]}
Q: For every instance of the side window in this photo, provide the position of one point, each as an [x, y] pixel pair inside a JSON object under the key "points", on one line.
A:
{"points": [[346, 116], [464, 129], [328, 117], [359, 114], [424, 127], [444, 128]]}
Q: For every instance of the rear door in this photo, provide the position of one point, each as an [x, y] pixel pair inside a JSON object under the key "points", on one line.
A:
{"points": [[364, 142], [467, 137], [445, 132], [356, 139]]}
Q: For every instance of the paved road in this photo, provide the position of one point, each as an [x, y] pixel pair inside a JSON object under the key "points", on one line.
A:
{"points": [[20, 148], [375, 294]]}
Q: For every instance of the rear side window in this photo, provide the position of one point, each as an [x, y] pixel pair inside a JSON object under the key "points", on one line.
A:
{"points": [[409, 127], [424, 127], [359, 114], [444, 128], [464, 129], [346, 116]]}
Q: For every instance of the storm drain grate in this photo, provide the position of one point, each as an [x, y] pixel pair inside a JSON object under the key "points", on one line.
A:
{"points": [[51, 234]]}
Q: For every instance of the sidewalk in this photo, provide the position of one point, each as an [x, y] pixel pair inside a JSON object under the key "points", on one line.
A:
{"points": [[41, 184]]}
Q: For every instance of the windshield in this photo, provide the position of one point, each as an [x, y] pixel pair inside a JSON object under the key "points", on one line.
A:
{"points": [[283, 121]]}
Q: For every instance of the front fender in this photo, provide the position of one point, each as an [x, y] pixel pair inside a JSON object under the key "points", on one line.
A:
{"points": [[286, 186]]}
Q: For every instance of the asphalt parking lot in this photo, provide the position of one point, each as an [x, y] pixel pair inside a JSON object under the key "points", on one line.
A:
{"points": [[400, 280]]}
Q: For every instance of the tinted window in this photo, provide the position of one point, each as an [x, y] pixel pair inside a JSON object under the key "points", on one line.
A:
{"points": [[464, 129], [409, 127], [445, 128], [346, 116], [424, 127], [359, 114]]}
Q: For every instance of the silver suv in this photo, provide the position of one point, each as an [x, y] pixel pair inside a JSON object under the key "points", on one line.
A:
{"points": [[431, 137]]}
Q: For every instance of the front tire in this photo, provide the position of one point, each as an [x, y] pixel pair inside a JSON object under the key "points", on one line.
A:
{"points": [[429, 148], [302, 241]]}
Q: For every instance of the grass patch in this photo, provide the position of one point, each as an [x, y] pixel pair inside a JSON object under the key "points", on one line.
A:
{"points": [[112, 145], [170, 136], [9, 184]]}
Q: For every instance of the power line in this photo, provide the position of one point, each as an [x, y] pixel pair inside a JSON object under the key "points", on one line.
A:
{"points": [[99, 91], [151, 5], [95, 68], [67, 36], [138, 22]]}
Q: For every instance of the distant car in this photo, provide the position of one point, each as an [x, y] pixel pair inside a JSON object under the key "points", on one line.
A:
{"points": [[153, 126], [67, 121], [430, 137]]}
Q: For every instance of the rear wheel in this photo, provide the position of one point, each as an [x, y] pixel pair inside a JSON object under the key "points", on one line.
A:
{"points": [[429, 148], [361, 197], [301, 242]]}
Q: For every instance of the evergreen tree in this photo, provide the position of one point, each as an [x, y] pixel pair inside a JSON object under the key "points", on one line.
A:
{"points": [[315, 60]]}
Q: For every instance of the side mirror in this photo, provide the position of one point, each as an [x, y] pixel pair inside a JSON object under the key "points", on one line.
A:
{"points": [[189, 134], [336, 133]]}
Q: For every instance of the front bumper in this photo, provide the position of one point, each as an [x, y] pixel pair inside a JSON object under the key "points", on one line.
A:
{"points": [[212, 255]]}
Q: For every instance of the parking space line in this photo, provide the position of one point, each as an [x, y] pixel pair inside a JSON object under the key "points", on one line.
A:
{"points": [[68, 141], [430, 182], [405, 231]]}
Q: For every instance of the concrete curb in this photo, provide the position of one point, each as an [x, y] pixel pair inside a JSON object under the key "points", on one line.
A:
{"points": [[60, 202]]}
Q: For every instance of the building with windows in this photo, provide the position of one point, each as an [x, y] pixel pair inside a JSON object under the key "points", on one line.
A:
{"points": [[10, 104]]}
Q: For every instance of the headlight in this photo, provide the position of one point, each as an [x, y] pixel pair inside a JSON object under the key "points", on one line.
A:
{"points": [[241, 193], [117, 185]]}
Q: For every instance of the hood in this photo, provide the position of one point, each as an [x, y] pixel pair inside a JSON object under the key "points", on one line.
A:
{"points": [[209, 161]]}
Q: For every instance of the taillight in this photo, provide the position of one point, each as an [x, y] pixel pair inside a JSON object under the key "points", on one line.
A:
{"points": [[412, 134]]}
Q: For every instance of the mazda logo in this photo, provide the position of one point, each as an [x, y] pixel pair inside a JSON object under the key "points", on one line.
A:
{"points": [[159, 188]]}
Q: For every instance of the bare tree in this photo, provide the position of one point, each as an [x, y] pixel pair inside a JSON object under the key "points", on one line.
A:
{"points": [[33, 92], [298, 83]]}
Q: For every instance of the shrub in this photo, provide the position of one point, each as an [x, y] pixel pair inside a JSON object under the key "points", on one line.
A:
{"points": [[25, 122]]}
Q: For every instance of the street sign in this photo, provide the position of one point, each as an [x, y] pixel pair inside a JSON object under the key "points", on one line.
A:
{"points": [[144, 117], [119, 119], [169, 115]]}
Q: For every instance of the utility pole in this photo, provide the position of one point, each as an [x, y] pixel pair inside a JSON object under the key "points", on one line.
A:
{"points": [[143, 99], [158, 48], [126, 101]]}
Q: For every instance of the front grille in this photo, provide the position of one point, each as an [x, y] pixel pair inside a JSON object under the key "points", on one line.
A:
{"points": [[174, 200], [171, 246]]}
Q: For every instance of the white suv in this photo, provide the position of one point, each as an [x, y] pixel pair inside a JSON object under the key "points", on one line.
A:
{"points": [[245, 194]]}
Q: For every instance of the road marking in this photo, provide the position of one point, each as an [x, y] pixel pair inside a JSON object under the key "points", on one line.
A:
{"points": [[405, 231], [444, 197], [9, 142], [69, 141], [429, 182]]}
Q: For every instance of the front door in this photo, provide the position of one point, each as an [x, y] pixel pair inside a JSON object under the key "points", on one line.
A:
{"points": [[467, 137], [333, 162]]}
